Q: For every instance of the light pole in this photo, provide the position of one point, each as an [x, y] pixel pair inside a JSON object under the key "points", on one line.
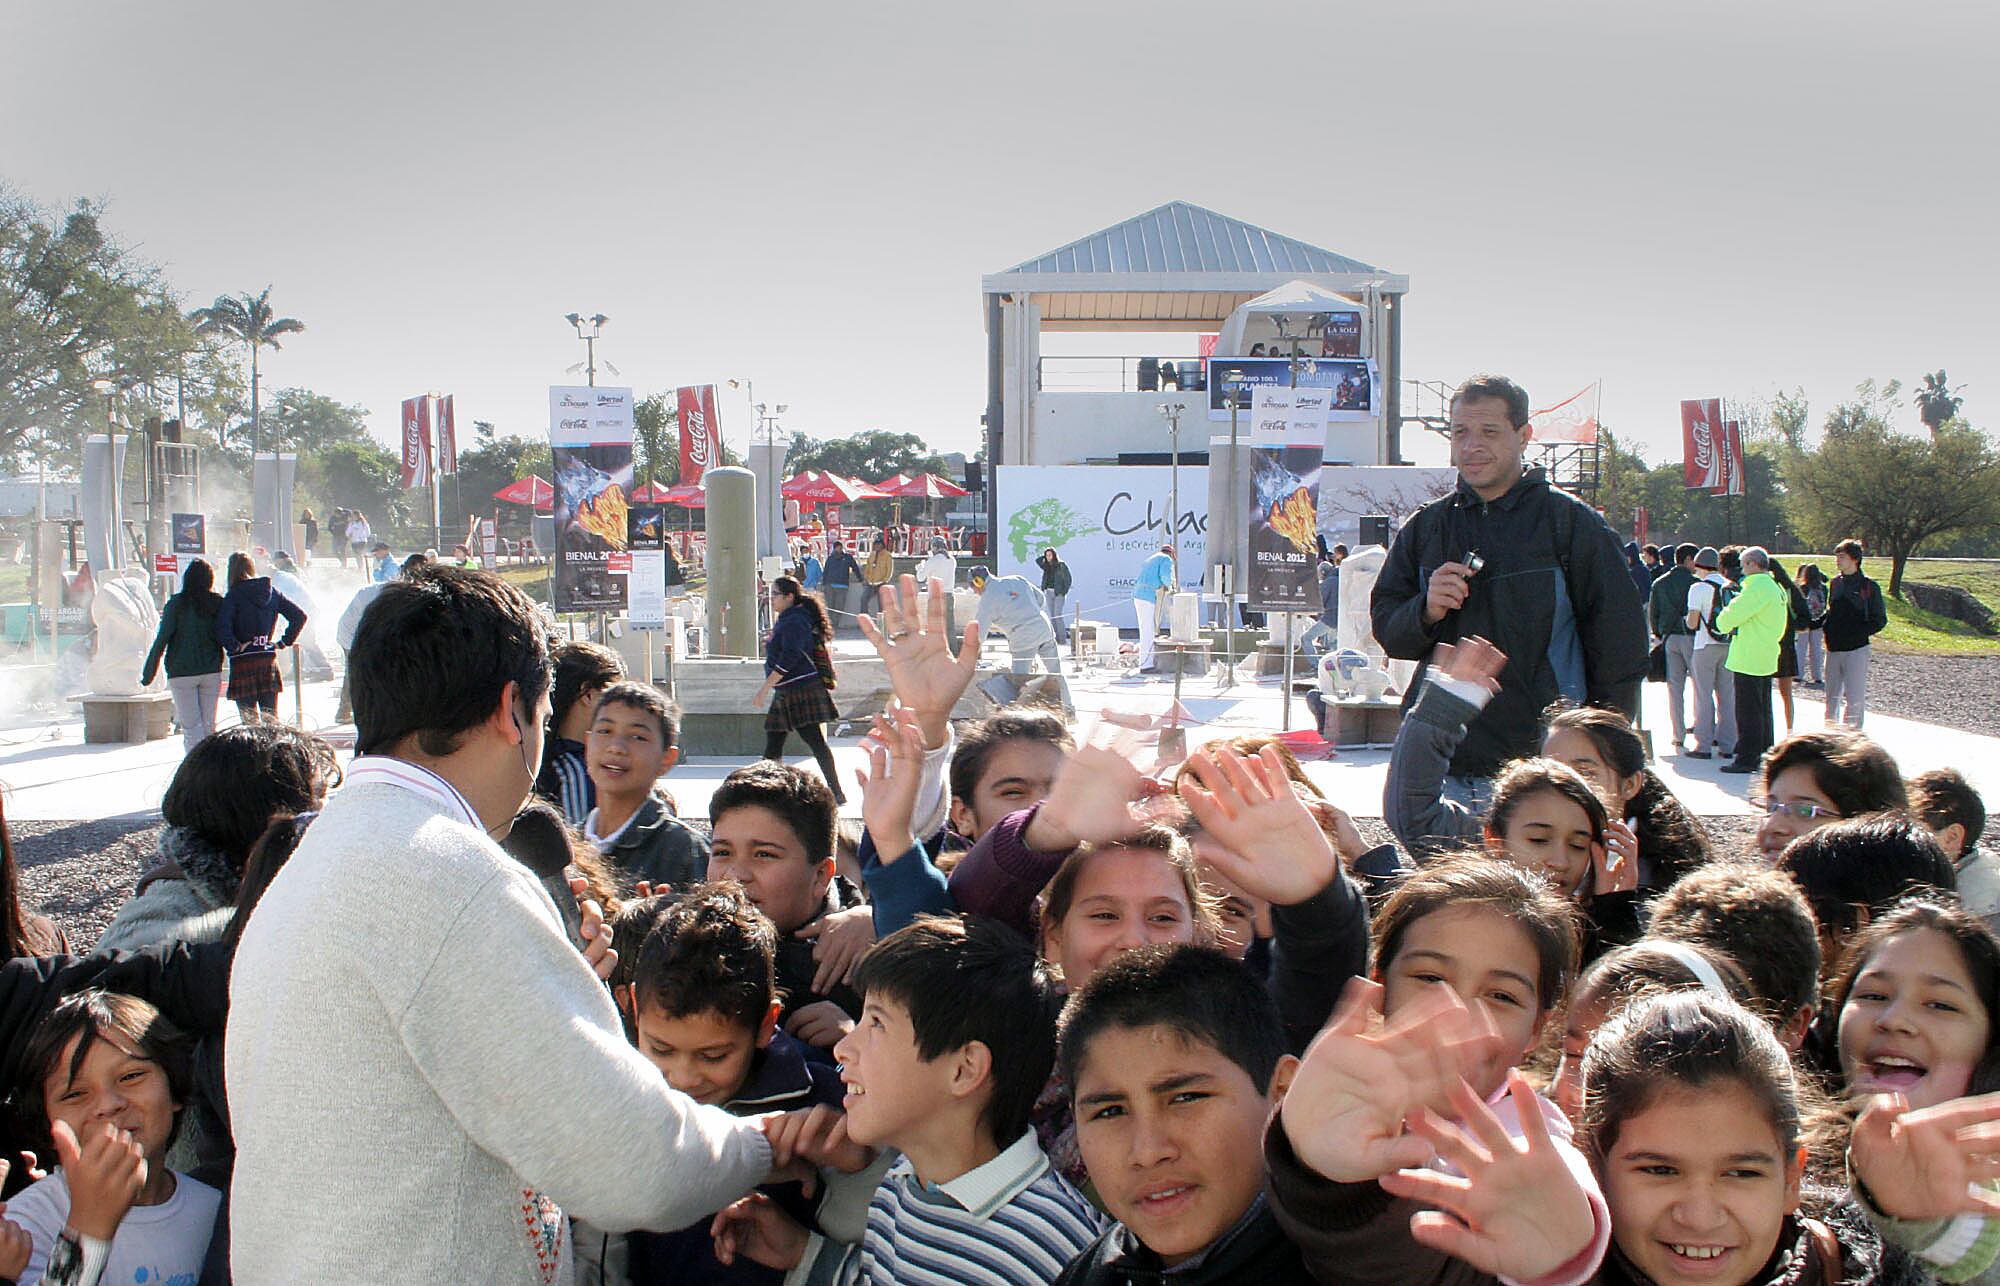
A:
{"points": [[589, 338], [1171, 413]]}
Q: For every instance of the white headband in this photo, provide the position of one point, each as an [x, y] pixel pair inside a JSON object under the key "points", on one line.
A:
{"points": [[1699, 965]]}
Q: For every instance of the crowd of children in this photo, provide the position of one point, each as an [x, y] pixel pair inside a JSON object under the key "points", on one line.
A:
{"points": [[1048, 1017]]}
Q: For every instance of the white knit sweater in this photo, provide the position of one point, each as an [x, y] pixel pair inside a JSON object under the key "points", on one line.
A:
{"points": [[424, 1076]]}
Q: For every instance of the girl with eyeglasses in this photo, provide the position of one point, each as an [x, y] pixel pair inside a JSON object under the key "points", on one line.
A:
{"points": [[1815, 778]]}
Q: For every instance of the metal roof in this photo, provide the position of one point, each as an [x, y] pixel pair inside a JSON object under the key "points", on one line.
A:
{"points": [[1180, 237]]}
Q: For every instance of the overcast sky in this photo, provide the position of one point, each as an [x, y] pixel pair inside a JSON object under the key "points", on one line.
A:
{"points": [[1684, 200]]}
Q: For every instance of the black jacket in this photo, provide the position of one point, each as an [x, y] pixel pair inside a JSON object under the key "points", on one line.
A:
{"points": [[1540, 545], [1256, 1250], [658, 847], [1855, 612], [250, 611], [1668, 603]]}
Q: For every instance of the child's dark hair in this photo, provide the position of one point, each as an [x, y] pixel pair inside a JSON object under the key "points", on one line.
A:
{"points": [[1867, 864], [1854, 773], [234, 781], [1685, 1041], [126, 1022], [712, 951], [1667, 832], [800, 798], [1198, 993], [267, 857], [1524, 779], [241, 568], [809, 602], [648, 699], [20, 935], [1978, 949], [581, 667], [978, 742], [1943, 797], [1468, 880], [630, 928], [965, 980], [1758, 918], [1173, 849], [435, 652], [1623, 975]]}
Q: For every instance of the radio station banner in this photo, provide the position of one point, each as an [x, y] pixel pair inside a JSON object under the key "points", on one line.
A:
{"points": [[1105, 521], [1701, 429], [1287, 447], [646, 587], [590, 438], [700, 432], [1340, 334], [416, 443], [1352, 386], [447, 442]]}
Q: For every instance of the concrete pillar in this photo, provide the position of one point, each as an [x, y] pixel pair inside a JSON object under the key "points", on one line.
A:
{"points": [[103, 502], [730, 520]]}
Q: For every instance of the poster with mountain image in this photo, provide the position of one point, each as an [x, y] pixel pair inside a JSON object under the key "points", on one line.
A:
{"points": [[1287, 448]]}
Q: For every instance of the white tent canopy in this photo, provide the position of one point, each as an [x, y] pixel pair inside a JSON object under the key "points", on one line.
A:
{"points": [[1297, 302]]}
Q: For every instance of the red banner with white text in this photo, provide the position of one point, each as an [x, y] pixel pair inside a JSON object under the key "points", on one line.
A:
{"points": [[416, 443], [1730, 451], [1701, 433], [699, 432], [1574, 419], [447, 442]]}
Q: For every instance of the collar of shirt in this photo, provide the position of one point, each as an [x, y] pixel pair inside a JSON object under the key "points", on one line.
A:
{"points": [[605, 843], [985, 1188], [401, 773]]}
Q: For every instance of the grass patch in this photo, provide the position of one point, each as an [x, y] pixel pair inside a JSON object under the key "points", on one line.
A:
{"points": [[1911, 628]]}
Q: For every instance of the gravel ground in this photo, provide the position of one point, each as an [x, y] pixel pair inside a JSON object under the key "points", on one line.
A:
{"points": [[1957, 691], [79, 873]]}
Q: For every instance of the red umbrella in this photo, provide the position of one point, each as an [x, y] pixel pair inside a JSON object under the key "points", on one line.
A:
{"points": [[888, 485], [928, 486], [690, 495], [651, 493], [814, 487], [530, 490], [869, 491]]}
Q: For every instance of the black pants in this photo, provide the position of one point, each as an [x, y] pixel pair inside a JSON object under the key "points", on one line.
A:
{"points": [[1755, 731], [815, 739]]}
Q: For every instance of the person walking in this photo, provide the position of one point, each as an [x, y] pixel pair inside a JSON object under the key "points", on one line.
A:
{"points": [[1755, 620], [799, 677], [194, 658], [359, 536], [841, 583], [1855, 613], [1666, 610], [1056, 581], [879, 570], [1714, 688], [243, 625], [336, 532], [1156, 579], [310, 526], [1788, 647], [1812, 635], [942, 565]]}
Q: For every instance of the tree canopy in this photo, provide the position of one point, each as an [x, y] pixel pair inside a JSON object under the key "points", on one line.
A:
{"points": [[871, 456]]}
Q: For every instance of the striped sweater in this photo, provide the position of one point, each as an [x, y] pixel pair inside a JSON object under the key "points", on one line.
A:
{"points": [[1011, 1222]]}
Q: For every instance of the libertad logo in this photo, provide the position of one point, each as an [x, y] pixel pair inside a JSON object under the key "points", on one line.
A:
{"points": [[611, 399]]}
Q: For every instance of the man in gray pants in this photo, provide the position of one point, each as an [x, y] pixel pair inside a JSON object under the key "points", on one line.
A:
{"points": [[1714, 685], [1666, 610], [1855, 613]]}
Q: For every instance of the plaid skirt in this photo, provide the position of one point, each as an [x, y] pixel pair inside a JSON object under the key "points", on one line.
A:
{"points": [[253, 676], [797, 704]]}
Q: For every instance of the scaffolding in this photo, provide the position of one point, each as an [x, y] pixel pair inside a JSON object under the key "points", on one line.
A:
{"points": [[1576, 467]]}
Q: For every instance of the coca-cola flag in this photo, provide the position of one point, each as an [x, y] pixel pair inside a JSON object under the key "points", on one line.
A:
{"points": [[447, 460], [416, 443], [1732, 458], [1574, 419], [699, 432], [1701, 434]]}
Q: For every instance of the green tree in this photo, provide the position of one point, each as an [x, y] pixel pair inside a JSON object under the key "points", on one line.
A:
{"points": [[1937, 401], [871, 456], [656, 445], [357, 475], [248, 320], [489, 464], [1894, 490], [308, 422]]}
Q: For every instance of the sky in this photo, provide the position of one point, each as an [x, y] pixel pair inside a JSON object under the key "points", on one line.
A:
{"points": [[1698, 199]]}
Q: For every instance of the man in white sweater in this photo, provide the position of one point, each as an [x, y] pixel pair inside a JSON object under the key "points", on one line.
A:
{"points": [[424, 1076]]}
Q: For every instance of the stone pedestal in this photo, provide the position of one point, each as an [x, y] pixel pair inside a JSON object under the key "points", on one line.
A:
{"points": [[717, 717], [1191, 660], [145, 716], [1271, 659], [1358, 723]]}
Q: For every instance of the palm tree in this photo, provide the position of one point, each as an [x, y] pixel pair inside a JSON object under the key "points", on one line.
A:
{"points": [[247, 319], [1937, 401]]}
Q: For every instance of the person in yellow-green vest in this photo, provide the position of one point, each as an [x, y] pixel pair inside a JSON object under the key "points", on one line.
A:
{"points": [[1755, 620]]}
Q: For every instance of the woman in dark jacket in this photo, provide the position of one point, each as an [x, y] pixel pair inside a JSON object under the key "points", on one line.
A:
{"points": [[798, 674], [243, 625], [194, 657], [1788, 647]]}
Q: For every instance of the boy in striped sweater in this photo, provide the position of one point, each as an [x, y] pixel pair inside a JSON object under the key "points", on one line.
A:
{"points": [[957, 1037]]}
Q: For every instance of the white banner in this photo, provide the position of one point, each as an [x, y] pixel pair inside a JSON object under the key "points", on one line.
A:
{"points": [[646, 590], [1105, 522], [583, 416]]}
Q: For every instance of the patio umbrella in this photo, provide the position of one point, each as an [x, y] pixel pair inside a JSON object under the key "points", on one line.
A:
{"points": [[530, 490], [689, 495], [818, 488], [650, 493], [930, 487]]}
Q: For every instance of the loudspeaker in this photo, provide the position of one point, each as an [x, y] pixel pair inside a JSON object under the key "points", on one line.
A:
{"points": [[1375, 529]]}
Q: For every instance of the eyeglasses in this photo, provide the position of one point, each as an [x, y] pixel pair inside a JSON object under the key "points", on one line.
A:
{"points": [[1805, 812]]}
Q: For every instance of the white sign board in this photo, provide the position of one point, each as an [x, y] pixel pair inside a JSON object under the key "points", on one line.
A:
{"points": [[489, 544], [1105, 521], [646, 590]]}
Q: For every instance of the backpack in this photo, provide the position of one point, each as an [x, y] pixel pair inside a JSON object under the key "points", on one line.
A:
{"points": [[1724, 595], [823, 662]]}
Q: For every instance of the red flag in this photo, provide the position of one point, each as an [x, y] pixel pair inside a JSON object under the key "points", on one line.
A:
{"points": [[447, 459], [699, 432], [1701, 427], [1642, 523], [1574, 419], [416, 443], [1732, 458]]}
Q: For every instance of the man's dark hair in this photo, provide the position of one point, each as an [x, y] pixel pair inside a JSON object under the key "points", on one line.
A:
{"points": [[1852, 548], [1495, 386], [1856, 774], [1197, 993], [234, 781], [1732, 562], [1869, 864], [979, 742], [434, 654], [1942, 797], [712, 952], [1757, 917], [1684, 553], [965, 980], [1651, 551], [581, 667], [649, 699], [801, 799], [413, 562]]}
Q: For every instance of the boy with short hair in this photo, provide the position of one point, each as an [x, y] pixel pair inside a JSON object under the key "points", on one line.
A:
{"points": [[1758, 918], [1947, 803], [629, 747], [582, 672], [1175, 1055], [771, 831], [956, 1041]]}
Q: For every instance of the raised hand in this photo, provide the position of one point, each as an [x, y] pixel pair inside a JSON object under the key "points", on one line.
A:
{"points": [[106, 1171], [895, 749], [1362, 1078], [840, 939], [1615, 863], [1930, 1163], [1472, 660], [1099, 797], [816, 1135], [1514, 1208], [1270, 844], [760, 1232], [912, 641]]}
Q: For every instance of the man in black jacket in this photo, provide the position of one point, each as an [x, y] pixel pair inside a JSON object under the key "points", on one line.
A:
{"points": [[1666, 609], [1511, 559], [1855, 613]]}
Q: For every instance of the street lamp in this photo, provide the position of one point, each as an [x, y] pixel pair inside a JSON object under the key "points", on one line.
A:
{"points": [[1171, 413], [589, 338]]}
